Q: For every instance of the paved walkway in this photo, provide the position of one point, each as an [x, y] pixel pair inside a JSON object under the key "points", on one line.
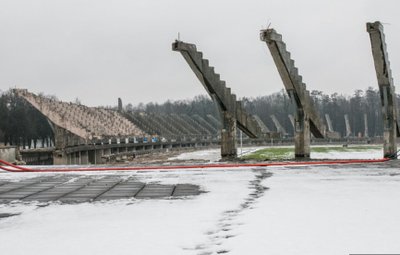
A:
{"points": [[78, 189]]}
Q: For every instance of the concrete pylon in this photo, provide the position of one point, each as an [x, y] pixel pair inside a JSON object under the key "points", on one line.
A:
{"points": [[330, 132], [306, 117], [347, 123], [264, 128], [232, 112], [291, 118], [365, 125], [278, 125], [329, 122], [391, 128], [228, 136], [119, 104]]}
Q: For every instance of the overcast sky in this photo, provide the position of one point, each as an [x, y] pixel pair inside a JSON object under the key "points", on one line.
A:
{"points": [[99, 50]]}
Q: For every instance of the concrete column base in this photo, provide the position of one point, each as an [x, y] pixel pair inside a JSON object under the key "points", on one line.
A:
{"points": [[60, 158], [389, 143], [228, 137], [302, 139]]}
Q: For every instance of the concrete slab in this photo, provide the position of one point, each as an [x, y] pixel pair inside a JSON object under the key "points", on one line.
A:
{"points": [[156, 191], [79, 189]]}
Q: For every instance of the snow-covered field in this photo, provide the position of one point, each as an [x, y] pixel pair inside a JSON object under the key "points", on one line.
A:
{"points": [[214, 154], [298, 210]]}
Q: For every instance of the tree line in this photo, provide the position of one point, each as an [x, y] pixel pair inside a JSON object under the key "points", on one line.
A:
{"points": [[23, 125], [279, 104]]}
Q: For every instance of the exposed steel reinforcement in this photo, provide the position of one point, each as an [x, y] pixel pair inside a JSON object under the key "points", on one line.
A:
{"points": [[19, 169]]}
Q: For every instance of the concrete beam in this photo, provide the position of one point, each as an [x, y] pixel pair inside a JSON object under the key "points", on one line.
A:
{"points": [[306, 118], [291, 118], [228, 136], [391, 128], [231, 110], [264, 128], [348, 127], [279, 127], [366, 125], [329, 122]]}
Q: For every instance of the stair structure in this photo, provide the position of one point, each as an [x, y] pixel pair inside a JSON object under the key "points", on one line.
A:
{"points": [[173, 126], [86, 122], [214, 121], [72, 122], [391, 126], [306, 117], [205, 124], [195, 125], [232, 112]]}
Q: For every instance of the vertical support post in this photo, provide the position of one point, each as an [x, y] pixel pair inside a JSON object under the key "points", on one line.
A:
{"points": [[302, 135], [241, 142], [389, 122], [302, 139], [386, 88], [348, 128], [95, 156], [60, 139], [76, 160], [365, 125], [228, 136], [98, 154]]}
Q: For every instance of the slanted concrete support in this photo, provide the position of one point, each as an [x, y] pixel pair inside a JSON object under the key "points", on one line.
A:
{"points": [[348, 127], [278, 125], [230, 109], [264, 128], [386, 88], [306, 118], [366, 125], [291, 118], [329, 122], [330, 132]]}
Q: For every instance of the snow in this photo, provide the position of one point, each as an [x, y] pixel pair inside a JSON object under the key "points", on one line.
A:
{"points": [[130, 226], [212, 155], [306, 210], [365, 154], [323, 211]]}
